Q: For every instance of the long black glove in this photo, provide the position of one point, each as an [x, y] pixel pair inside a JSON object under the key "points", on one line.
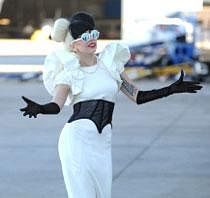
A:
{"points": [[32, 108], [179, 86]]}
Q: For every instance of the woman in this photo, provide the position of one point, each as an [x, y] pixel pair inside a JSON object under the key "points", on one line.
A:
{"points": [[75, 75]]}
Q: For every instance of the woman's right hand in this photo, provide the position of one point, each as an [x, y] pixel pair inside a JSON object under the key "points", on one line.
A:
{"points": [[54, 107], [32, 108]]}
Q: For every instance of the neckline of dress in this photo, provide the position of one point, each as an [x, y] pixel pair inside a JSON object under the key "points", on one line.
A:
{"points": [[89, 66], [89, 69]]}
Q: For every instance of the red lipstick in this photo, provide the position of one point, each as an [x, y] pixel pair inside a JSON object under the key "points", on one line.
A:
{"points": [[92, 45]]}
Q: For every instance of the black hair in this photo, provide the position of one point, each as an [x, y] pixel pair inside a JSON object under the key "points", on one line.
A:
{"points": [[80, 22]]}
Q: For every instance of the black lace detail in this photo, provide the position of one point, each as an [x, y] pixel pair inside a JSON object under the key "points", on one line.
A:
{"points": [[99, 111]]}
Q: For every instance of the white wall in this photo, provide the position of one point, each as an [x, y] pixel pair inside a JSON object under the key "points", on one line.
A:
{"points": [[135, 12]]}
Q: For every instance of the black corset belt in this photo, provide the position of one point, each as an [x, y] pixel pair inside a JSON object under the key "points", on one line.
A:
{"points": [[99, 111]]}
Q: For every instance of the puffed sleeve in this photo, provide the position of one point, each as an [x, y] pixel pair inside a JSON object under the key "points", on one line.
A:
{"points": [[114, 57], [53, 74], [121, 56], [52, 71]]}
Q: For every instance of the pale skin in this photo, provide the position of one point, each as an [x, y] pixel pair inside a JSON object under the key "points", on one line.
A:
{"points": [[87, 57]]}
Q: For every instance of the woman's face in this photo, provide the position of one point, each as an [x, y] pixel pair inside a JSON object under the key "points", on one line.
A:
{"points": [[80, 46], [86, 43]]}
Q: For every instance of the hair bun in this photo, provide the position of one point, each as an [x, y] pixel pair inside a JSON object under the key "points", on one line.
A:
{"points": [[60, 30]]}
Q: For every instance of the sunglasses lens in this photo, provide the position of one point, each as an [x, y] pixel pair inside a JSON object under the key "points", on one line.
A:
{"points": [[94, 34], [85, 37]]}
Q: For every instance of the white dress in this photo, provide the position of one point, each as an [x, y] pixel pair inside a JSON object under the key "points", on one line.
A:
{"points": [[85, 154]]}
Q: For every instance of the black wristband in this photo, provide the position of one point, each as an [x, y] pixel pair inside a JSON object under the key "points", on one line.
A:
{"points": [[50, 108]]}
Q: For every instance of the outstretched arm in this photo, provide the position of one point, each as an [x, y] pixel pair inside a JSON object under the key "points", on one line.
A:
{"points": [[54, 107], [61, 94], [141, 97]]}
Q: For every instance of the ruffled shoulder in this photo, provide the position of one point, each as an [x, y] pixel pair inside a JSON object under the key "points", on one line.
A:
{"points": [[114, 57], [62, 67], [52, 68]]}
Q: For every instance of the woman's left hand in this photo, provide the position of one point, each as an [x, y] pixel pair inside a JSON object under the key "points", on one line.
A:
{"points": [[181, 86]]}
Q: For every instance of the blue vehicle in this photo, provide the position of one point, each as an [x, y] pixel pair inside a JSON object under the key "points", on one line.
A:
{"points": [[173, 45]]}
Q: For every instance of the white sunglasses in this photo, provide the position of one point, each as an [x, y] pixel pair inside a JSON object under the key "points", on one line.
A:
{"points": [[86, 36]]}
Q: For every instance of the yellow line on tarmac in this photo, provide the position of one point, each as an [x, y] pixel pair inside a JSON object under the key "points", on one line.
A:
{"points": [[171, 69]]}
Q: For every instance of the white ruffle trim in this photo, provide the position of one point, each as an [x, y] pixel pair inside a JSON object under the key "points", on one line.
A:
{"points": [[62, 67], [114, 57]]}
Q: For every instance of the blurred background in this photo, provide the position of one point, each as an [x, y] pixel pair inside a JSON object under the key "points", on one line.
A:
{"points": [[162, 37], [160, 149]]}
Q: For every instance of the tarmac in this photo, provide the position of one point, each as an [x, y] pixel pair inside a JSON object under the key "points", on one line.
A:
{"points": [[160, 149]]}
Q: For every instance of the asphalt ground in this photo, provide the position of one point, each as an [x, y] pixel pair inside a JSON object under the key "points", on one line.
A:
{"points": [[160, 149]]}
